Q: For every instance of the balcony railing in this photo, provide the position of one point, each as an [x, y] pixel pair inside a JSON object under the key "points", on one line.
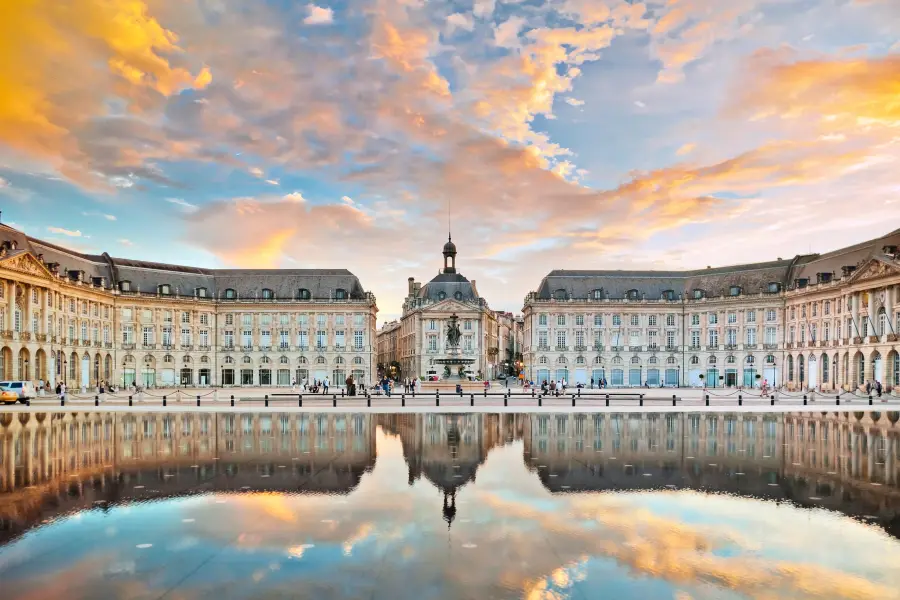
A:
{"points": [[598, 347], [694, 348], [873, 339], [671, 348], [246, 348], [187, 347], [635, 348], [731, 346], [128, 346], [770, 346], [581, 348], [148, 346], [562, 348], [617, 348], [544, 347]]}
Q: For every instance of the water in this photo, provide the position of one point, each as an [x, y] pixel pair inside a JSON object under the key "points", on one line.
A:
{"points": [[233, 505]]}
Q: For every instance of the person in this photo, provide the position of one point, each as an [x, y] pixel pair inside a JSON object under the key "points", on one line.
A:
{"points": [[62, 391], [868, 387], [565, 384], [293, 385], [325, 385], [878, 388], [418, 385], [351, 389], [386, 386], [59, 390], [592, 383]]}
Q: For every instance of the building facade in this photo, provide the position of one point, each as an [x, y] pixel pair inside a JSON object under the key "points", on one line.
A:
{"points": [[421, 336], [84, 319], [738, 326]]}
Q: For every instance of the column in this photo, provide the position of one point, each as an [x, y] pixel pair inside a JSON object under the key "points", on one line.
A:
{"points": [[888, 459], [854, 313], [854, 453], [10, 304], [873, 323], [870, 455], [889, 311]]}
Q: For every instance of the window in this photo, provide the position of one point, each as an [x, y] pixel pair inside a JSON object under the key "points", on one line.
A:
{"points": [[561, 320], [204, 338], [827, 307], [284, 339], [803, 311], [147, 336], [751, 336], [201, 292], [467, 325], [770, 315], [358, 339], [432, 343], [167, 336], [230, 294], [695, 320], [303, 339], [303, 294], [164, 289], [339, 338], [320, 320], [579, 320], [732, 318], [543, 342], [204, 318], [670, 320], [815, 309], [695, 338], [124, 286], [598, 320], [751, 316], [185, 337], [560, 339], [652, 339], [167, 316], [635, 320], [267, 294], [793, 313], [670, 339], [321, 339], [126, 314], [791, 334], [712, 318], [774, 288], [358, 320], [734, 290], [597, 294], [247, 338], [228, 339], [265, 339], [127, 334], [340, 294], [695, 360], [339, 319], [579, 338], [714, 337], [731, 337], [185, 317], [812, 332], [826, 331], [698, 294], [617, 321]]}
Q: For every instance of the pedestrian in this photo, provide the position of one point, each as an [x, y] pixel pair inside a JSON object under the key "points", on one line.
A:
{"points": [[325, 385], [878, 388], [62, 391], [386, 386], [592, 383], [868, 387], [293, 385]]}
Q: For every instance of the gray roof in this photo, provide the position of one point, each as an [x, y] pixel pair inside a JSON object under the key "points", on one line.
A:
{"points": [[146, 276], [448, 284], [751, 278]]}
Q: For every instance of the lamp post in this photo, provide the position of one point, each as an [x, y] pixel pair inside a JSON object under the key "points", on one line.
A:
{"points": [[26, 378]]}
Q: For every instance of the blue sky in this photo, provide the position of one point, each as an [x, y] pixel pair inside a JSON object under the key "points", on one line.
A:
{"points": [[565, 134]]}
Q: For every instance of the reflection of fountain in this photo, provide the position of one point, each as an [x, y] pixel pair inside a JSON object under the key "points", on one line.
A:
{"points": [[449, 507], [453, 353]]}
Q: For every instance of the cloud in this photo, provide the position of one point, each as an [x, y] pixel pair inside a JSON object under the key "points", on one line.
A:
{"points": [[67, 232], [506, 34], [125, 242], [461, 21], [3, 183], [256, 172], [101, 215], [685, 149], [272, 182], [295, 197], [318, 15], [484, 9], [574, 101], [183, 205], [640, 104]]}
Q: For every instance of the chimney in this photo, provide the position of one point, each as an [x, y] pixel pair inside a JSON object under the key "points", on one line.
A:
{"points": [[411, 284]]}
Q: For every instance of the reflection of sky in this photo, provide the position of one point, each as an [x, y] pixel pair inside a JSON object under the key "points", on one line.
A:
{"points": [[511, 539]]}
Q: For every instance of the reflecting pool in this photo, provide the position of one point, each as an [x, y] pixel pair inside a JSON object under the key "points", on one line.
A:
{"points": [[550, 506]]}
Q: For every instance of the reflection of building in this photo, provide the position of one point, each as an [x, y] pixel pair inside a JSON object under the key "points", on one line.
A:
{"points": [[51, 464], [806, 322], [421, 336], [846, 461], [85, 318]]}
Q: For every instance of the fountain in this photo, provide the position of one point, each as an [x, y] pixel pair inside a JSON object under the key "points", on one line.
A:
{"points": [[453, 353]]}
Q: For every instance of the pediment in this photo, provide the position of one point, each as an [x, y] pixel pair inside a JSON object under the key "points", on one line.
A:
{"points": [[450, 306], [875, 268], [25, 262]]}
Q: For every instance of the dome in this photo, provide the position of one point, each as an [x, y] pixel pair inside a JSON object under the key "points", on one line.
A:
{"points": [[448, 285], [449, 247]]}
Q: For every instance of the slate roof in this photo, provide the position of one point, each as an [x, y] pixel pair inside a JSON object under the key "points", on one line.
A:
{"points": [[448, 284], [146, 276], [751, 278]]}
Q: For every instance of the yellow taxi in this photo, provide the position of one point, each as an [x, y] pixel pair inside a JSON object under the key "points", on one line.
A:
{"points": [[8, 396]]}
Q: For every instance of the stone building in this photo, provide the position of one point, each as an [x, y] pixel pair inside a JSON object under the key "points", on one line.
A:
{"points": [[83, 319], [421, 336], [728, 326]]}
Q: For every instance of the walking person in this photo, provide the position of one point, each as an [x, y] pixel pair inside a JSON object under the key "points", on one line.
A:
{"points": [[878, 388], [325, 385]]}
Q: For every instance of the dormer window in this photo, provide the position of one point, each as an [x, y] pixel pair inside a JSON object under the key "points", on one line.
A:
{"points": [[597, 294], [230, 294], [699, 294], [267, 294], [560, 294], [201, 292], [633, 295], [774, 287], [801, 283], [303, 294], [164, 289], [823, 277], [734, 290], [441, 295], [340, 294], [458, 295], [668, 295], [124, 286]]}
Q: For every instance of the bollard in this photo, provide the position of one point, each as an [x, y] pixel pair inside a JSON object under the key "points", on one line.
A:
{"points": [[673, 400], [62, 401], [485, 392], [334, 401], [773, 400], [342, 393], [804, 399], [198, 400], [96, 400], [740, 400], [471, 400], [707, 399], [267, 400], [870, 399], [368, 401], [299, 400], [402, 401], [27, 402], [232, 399], [504, 401], [573, 400], [607, 399], [579, 392], [837, 400], [539, 401], [532, 392], [164, 400], [129, 401], [437, 400], [772, 396]]}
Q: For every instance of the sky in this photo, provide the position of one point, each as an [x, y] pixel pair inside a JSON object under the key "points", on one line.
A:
{"points": [[579, 134]]}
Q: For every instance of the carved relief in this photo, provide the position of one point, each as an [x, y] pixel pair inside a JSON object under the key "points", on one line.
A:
{"points": [[874, 270], [25, 264]]}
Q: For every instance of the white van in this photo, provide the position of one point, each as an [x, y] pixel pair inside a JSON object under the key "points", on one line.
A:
{"points": [[25, 389]]}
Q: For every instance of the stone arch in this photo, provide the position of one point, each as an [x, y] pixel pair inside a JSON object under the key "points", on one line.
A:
{"points": [[24, 367], [6, 363], [108, 368], [857, 370], [875, 368], [892, 378]]}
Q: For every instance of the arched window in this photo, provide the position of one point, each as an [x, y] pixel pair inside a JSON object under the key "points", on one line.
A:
{"points": [[749, 360], [204, 359], [699, 294], [790, 367], [882, 321], [561, 360], [442, 295], [579, 360], [652, 360], [770, 359], [246, 360], [730, 359], [320, 360], [635, 360], [597, 294], [617, 360], [284, 360], [633, 295], [230, 294], [339, 360], [712, 360], [340, 294], [560, 294], [168, 358], [695, 360], [598, 360], [265, 360], [671, 360], [358, 360], [186, 359], [542, 360], [268, 294], [303, 361], [229, 360], [303, 294], [457, 295]]}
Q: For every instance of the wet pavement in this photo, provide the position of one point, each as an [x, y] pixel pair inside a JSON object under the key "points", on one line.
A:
{"points": [[544, 506]]}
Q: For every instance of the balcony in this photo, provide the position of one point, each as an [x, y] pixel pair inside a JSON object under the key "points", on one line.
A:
{"points": [[25, 336], [247, 348], [97, 344], [671, 348], [694, 348], [358, 348], [108, 345], [302, 348], [617, 348], [203, 348], [562, 348], [543, 347], [770, 346], [340, 348], [598, 347], [128, 346], [873, 339], [635, 348], [731, 346], [789, 345], [581, 348], [42, 337], [892, 337], [148, 346], [750, 346], [186, 347]]}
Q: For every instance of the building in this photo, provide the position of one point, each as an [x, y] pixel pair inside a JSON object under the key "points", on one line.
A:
{"points": [[423, 324], [387, 346], [811, 322], [83, 319], [509, 340]]}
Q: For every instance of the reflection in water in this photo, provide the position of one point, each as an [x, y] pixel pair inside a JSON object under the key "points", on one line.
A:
{"points": [[245, 505]]}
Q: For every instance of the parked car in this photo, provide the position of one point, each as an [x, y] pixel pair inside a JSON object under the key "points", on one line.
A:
{"points": [[24, 389], [8, 396]]}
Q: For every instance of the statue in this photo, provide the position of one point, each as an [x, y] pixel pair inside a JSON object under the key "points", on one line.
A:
{"points": [[453, 333]]}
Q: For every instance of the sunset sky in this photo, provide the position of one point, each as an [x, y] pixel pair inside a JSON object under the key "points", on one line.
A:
{"points": [[567, 134]]}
